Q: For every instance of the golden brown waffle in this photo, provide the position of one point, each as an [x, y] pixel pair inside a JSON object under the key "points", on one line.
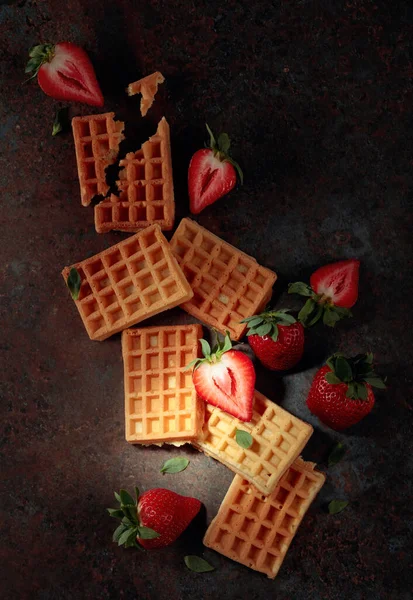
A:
{"points": [[146, 189], [161, 405], [97, 139], [278, 438], [228, 284], [147, 86], [257, 530], [129, 282]]}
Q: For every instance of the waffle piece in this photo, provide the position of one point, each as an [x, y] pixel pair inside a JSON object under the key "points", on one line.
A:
{"points": [[278, 438], [257, 530], [228, 284], [146, 189], [129, 282], [161, 405], [97, 139], [147, 86]]}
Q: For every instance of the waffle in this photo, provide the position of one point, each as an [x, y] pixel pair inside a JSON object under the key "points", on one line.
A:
{"points": [[148, 86], [97, 139], [228, 284], [257, 531], [146, 189], [128, 283], [161, 405], [278, 438]]}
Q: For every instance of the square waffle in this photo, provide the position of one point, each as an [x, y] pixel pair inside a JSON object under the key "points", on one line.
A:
{"points": [[161, 405], [146, 189], [257, 530], [278, 436], [129, 282], [147, 86], [97, 139], [228, 284]]}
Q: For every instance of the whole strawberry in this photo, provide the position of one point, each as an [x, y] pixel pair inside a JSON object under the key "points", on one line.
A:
{"points": [[333, 290], [276, 338], [154, 519], [212, 173], [341, 393]]}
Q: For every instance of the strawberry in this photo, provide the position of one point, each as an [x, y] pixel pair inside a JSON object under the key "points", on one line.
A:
{"points": [[212, 173], [225, 378], [341, 393], [155, 519], [276, 338], [333, 291], [64, 72]]}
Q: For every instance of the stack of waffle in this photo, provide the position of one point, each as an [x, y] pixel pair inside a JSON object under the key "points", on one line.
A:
{"points": [[220, 285]]}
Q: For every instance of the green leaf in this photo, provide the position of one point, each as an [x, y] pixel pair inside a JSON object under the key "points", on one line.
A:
{"points": [[361, 391], [227, 343], [253, 321], [115, 512], [206, 348], [130, 512], [343, 369], [146, 533], [336, 506], [330, 318], [330, 362], [126, 498], [224, 143], [118, 498], [285, 318], [175, 465], [306, 310], [300, 288], [274, 334], [332, 378], [212, 141], [369, 358], [125, 536], [376, 382], [316, 316], [192, 364], [351, 391], [336, 454], [237, 168], [74, 282], [263, 329], [118, 532], [60, 120], [137, 494], [243, 438], [197, 564]]}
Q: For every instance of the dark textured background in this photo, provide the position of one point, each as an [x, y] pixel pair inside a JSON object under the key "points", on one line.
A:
{"points": [[317, 98]]}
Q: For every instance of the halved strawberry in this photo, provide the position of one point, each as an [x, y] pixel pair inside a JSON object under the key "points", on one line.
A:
{"points": [[225, 378], [212, 173], [64, 72], [333, 291]]}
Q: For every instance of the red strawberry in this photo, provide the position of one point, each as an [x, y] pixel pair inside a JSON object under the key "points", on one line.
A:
{"points": [[225, 378], [341, 393], [333, 291], [276, 338], [153, 520], [212, 173], [64, 72]]}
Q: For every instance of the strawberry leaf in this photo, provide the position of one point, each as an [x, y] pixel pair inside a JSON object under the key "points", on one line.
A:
{"points": [[118, 498], [224, 143], [60, 120], [376, 382], [274, 334], [115, 512], [126, 498], [336, 506], [206, 348], [137, 493], [118, 532], [315, 316], [146, 533], [343, 369], [300, 288], [253, 321], [227, 344], [125, 536], [336, 454], [369, 358], [74, 282], [330, 318], [243, 438], [175, 465], [284, 318], [263, 329], [237, 168], [351, 391], [306, 310], [197, 564], [332, 378], [212, 141]]}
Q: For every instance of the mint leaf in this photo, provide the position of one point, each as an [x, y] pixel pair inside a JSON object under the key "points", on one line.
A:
{"points": [[175, 465], [336, 506], [146, 533], [197, 564], [243, 438], [74, 282], [336, 454]]}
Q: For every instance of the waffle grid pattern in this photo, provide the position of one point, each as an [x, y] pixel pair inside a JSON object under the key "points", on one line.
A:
{"points": [[257, 530], [160, 401], [148, 87], [278, 438], [146, 189], [128, 283], [97, 139], [228, 284]]}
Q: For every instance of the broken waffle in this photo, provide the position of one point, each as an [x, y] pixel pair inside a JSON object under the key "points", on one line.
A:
{"points": [[147, 86], [146, 189], [161, 405], [97, 139], [228, 284], [278, 438], [257, 530], [127, 283]]}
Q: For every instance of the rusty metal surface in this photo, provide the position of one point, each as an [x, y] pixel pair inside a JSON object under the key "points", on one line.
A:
{"points": [[317, 98]]}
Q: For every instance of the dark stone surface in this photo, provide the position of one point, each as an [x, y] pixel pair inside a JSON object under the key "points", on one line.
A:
{"points": [[317, 98]]}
